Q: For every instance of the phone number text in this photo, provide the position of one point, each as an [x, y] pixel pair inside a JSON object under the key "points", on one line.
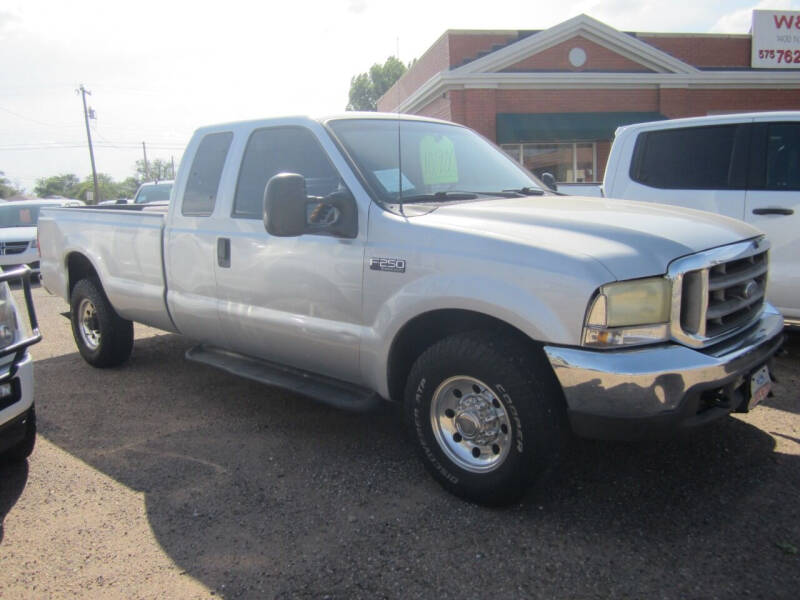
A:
{"points": [[781, 56]]}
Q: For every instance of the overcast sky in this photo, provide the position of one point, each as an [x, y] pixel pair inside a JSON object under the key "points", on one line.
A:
{"points": [[158, 70]]}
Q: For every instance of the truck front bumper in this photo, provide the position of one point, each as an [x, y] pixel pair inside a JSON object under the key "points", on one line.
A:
{"points": [[647, 392]]}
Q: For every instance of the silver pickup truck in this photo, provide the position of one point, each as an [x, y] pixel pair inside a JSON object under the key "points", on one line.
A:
{"points": [[367, 257]]}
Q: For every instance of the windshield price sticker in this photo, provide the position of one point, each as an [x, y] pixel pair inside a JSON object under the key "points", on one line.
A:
{"points": [[776, 39], [438, 157]]}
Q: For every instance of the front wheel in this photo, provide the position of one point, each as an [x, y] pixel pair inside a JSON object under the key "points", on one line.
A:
{"points": [[104, 339], [486, 414]]}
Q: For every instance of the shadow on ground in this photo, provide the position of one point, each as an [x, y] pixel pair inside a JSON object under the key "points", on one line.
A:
{"points": [[257, 492], [13, 477]]}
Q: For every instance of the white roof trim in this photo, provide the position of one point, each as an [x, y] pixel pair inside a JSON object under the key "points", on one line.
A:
{"points": [[592, 29]]}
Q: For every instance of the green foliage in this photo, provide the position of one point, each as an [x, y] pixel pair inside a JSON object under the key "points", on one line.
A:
{"points": [[70, 186], [128, 187], [7, 189], [157, 169], [109, 189], [57, 185], [366, 88]]}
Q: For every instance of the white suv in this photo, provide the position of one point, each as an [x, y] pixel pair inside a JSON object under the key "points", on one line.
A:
{"points": [[745, 166], [18, 227]]}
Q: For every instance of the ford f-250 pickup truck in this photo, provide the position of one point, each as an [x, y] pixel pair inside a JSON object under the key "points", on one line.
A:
{"points": [[376, 256]]}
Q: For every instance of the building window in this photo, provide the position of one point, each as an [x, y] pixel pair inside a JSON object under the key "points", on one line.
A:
{"points": [[572, 162]]}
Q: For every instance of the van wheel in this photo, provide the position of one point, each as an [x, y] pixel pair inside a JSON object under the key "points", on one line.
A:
{"points": [[25, 446], [104, 339], [487, 415]]}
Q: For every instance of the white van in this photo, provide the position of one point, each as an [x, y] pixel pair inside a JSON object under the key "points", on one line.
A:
{"points": [[745, 166]]}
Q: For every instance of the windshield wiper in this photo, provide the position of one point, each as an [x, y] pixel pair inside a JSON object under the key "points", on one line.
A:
{"points": [[438, 197], [526, 191]]}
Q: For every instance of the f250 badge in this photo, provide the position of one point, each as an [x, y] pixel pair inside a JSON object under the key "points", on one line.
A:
{"points": [[392, 265]]}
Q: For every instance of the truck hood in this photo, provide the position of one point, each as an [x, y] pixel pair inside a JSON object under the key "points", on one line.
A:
{"points": [[631, 239]]}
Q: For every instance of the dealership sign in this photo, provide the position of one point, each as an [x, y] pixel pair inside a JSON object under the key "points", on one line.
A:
{"points": [[776, 39]]}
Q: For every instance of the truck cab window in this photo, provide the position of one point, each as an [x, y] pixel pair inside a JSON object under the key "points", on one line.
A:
{"points": [[281, 150], [203, 183]]}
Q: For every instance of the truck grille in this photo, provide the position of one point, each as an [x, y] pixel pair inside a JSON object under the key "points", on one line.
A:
{"points": [[718, 292], [13, 247]]}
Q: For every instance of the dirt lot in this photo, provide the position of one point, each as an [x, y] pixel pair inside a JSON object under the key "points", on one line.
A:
{"points": [[165, 479]]}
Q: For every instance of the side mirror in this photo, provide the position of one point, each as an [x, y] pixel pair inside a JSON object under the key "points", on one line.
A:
{"points": [[550, 181], [285, 205], [289, 211]]}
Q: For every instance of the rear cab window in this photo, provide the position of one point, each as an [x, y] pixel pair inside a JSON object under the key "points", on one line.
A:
{"points": [[202, 186]]}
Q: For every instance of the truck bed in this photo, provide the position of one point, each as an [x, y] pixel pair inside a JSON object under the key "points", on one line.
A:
{"points": [[126, 250]]}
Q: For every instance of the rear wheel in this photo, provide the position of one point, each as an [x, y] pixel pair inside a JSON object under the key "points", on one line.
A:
{"points": [[486, 415], [104, 339]]}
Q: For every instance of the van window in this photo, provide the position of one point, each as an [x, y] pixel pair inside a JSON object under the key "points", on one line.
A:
{"points": [[203, 183], [694, 158], [783, 156], [281, 150]]}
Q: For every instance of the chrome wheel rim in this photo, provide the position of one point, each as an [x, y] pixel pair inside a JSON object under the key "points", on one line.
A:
{"points": [[88, 326], [471, 424]]}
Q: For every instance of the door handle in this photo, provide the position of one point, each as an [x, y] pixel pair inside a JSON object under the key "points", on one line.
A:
{"points": [[224, 252], [773, 211]]}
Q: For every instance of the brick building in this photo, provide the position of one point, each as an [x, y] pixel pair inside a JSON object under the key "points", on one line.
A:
{"points": [[553, 98]]}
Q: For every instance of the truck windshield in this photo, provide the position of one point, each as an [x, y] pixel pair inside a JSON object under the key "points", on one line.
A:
{"points": [[419, 161], [153, 193]]}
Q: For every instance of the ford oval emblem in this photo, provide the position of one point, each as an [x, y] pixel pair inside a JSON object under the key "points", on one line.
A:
{"points": [[750, 290]]}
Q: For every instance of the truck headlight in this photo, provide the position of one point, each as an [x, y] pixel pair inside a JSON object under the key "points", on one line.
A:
{"points": [[629, 313], [8, 317]]}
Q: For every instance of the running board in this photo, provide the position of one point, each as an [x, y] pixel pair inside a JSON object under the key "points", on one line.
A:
{"points": [[323, 389]]}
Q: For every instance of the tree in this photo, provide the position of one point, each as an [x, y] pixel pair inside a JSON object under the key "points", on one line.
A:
{"points": [[157, 169], [109, 189], [128, 187], [366, 88], [7, 189], [57, 185]]}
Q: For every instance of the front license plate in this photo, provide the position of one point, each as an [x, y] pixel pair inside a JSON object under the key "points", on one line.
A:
{"points": [[760, 384]]}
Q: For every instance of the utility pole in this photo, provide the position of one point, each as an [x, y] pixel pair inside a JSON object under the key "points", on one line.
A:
{"points": [[83, 91], [146, 168], [172, 158]]}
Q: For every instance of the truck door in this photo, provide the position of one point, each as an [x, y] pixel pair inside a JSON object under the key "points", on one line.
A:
{"points": [[773, 205], [190, 242], [291, 300]]}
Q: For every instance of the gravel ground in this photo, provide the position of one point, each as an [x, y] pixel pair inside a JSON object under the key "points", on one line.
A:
{"points": [[167, 479]]}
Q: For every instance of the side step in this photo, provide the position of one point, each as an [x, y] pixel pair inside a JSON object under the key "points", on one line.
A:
{"points": [[324, 389]]}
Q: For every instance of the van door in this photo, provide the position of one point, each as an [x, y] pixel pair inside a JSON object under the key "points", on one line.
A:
{"points": [[773, 205], [292, 300]]}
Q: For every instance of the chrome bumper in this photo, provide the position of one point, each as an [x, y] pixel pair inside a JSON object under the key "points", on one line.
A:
{"points": [[660, 385]]}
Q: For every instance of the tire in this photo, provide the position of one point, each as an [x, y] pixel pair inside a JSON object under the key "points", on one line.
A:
{"points": [[104, 339], [487, 415], [24, 448]]}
